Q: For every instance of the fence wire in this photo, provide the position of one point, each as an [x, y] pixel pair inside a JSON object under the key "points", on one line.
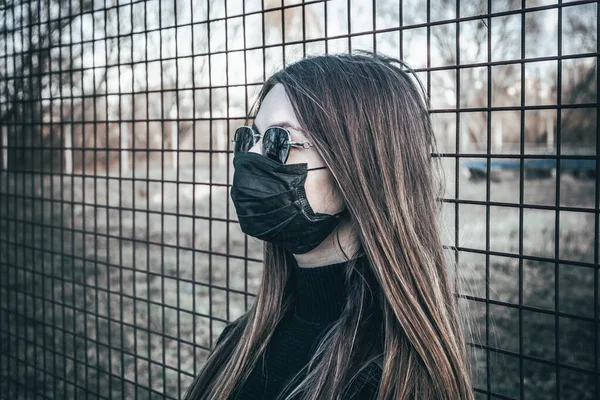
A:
{"points": [[120, 256]]}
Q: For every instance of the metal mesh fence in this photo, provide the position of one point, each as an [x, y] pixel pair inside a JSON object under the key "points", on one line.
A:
{"points": [[120, 256]]}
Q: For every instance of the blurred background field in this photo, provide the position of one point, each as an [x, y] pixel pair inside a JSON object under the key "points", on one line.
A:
{"points": [[132, 298], [121, 259]]}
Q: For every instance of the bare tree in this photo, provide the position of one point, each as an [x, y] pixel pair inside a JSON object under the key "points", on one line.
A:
{"points": [[30, 33]]}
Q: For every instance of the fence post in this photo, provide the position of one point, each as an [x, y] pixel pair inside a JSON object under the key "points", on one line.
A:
{"points": [[5, 148], [550, 134], [221, 142], [174, 134], [462, 131], [68, 149], [498, 135], [124, 148]]}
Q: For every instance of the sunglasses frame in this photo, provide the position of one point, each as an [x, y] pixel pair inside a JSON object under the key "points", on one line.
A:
{"points": [[257, 136]]}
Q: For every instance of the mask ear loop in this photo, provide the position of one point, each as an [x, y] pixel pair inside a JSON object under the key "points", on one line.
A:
{"points": [[337, 228], [337, 235]]}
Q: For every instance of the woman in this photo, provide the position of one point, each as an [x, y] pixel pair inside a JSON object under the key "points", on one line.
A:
{"points": [[336, 177]]}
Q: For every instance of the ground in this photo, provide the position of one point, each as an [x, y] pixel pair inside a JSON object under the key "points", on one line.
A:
{"points": [[95, 286]]}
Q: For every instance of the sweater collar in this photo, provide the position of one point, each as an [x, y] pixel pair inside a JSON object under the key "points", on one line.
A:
{"points": [[320, 292]]}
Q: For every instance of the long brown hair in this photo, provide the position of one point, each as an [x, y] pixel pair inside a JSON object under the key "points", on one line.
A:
{"points": [[371, 125]]}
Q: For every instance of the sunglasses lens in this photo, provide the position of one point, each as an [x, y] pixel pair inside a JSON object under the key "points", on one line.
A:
{"points": [[275, 144], [244, 139]]}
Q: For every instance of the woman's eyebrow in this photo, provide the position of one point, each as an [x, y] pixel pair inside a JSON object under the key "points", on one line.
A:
{"points": [[281, 124], [287, 125]]}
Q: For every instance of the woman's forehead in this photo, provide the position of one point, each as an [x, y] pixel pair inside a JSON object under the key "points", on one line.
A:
{"points": [[276, 110]]}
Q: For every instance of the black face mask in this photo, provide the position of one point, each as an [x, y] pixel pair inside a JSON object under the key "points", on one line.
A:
{"points": [[271, 203]]}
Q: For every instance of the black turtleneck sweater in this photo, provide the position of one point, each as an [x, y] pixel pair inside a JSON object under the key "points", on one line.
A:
{"points": [[320, 297]]}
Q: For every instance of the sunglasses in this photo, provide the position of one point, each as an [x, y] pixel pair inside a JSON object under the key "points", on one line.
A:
{"points": [[276, 141]]}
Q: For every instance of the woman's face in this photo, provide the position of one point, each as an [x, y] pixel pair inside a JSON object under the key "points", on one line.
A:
{"points": [[320, 187]]}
